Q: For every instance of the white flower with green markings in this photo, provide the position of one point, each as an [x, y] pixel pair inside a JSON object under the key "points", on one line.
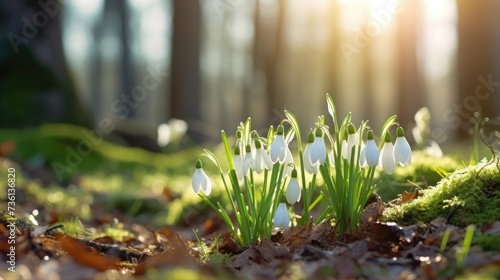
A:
{"points": [[402, 149], [200, 180]]}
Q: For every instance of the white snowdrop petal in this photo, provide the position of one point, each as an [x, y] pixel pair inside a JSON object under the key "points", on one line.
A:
{"points": [[206, 184], [278, 151], [344, 149], [293, 193], [362, 156], [371, 153], [267, 160], [196, 181], [281, 217], [246, 163], [318, 151], [402, 151], [352, 141], [238, 167], [308, 165], [386, 160]]}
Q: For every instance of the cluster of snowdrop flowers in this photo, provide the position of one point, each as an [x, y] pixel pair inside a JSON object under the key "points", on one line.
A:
{"points": [[391, 155], [259, 170], [263, 183]]}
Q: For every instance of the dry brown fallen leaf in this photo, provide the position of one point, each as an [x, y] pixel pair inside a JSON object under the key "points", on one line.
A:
{"points": [[83, 255]]}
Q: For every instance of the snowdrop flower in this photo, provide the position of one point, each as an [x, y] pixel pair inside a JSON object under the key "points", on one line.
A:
{"points": [[308, 165], [433, 149], [293, 190], [281, 217], [422, 131], [343, 146], [402, 150], [171, 132], [371, 153], [279, 146], [318, 149], [386, 160], [248, 159], [261, 159], [362, 155], [238, 163], [201, 180], [352, 140]]}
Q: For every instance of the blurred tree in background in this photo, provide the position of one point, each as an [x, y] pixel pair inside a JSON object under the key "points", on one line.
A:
{"points": [[217, 62], [35, 84]]}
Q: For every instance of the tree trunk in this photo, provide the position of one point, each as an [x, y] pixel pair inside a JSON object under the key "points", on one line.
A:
{"points": [[410, 94], [476, 51], [35, 87], [185, 100]]}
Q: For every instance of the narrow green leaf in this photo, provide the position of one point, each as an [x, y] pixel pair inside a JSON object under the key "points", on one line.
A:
{"points": [[227, 149], [295, 125]]}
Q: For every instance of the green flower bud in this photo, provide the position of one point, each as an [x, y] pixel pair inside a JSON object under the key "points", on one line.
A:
{"points": [[318, 132], [310, 137], [388, 137], [400, 132], [370, 135]]}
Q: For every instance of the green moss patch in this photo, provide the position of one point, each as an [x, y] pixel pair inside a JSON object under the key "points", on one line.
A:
{"points": [[423, 171], [467, 196]]}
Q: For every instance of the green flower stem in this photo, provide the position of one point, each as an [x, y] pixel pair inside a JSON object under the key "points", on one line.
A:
{"points": [[219, 209]]}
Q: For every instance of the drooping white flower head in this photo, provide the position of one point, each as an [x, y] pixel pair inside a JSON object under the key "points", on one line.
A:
{"points": [[238, 163], [362, 155], [402, 150], [293, 192], [279, 146], [371, 150], [308, 165], [386, 160], [261, 159], [352, 140], [200, 180], [247, 161], [281, 217], [318, 149], [433, 149], [343, 146]]}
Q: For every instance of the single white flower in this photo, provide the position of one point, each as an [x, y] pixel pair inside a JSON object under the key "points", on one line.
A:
{"points": [[200, 180], [386, 160], [247, 161], [318, 149], [279, 146], [308, 165], [402, 150], [261, 159], [362, 155], [238, 163], [293, 190], [433, 149], [352, 140], [371, 150], [344, 149], [281, 217]]}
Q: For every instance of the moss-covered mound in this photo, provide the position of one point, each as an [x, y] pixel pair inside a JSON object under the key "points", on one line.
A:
{"points": [[424, 170], [467, 196]]}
